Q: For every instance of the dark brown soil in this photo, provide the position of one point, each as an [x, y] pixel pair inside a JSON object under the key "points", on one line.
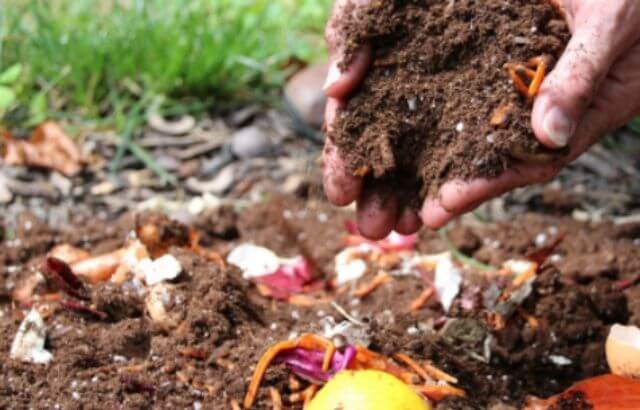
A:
{"points": [[123, 360], [422, 115]]}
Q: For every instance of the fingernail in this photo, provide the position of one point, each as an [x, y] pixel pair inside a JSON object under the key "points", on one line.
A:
{"points": [[558, 126], [332, 76]]}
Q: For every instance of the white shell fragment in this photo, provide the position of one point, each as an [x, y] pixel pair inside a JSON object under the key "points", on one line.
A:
{"points": [[420, 262], [254, 261], [166, 267], [560, 360], [519, 267], [156, 301], [623, 350], [349, 266], [448, 279], [28, 345], [353, 333]]}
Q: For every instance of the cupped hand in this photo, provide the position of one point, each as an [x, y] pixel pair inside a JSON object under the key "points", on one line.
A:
{"points": [[594, 89]]}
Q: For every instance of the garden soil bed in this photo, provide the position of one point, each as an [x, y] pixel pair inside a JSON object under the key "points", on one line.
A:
{"points": [[120, 358], [422, 115]]}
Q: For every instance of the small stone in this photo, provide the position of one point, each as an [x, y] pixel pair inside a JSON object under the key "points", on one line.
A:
{"points": [[180, 126], [219, 184], [5, 193], [295, 184], [62, 183], [460, 126], [251, 142], [188, 169], [306, 94], [104, 188], [244, 115]]}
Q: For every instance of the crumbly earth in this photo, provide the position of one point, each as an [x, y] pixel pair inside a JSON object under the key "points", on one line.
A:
{"points": [[123, 360], [422, 114]]}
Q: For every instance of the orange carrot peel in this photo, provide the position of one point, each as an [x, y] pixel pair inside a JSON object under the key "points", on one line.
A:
{"points": [[534, 70]]}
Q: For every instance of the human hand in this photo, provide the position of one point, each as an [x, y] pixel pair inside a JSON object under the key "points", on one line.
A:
{"points": [[594, 88]]}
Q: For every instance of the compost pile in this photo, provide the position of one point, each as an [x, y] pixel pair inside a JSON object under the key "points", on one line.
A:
{"points": [[175, 324], [438, 102]]}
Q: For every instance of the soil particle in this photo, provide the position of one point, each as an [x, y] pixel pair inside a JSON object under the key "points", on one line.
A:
{"points": [[422, 114]]}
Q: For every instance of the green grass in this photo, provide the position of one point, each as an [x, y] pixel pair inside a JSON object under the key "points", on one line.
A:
{"points": [[94, 59]]}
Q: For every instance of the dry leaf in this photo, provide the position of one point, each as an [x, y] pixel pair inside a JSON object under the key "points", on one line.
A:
{"points": [[49, 147]]}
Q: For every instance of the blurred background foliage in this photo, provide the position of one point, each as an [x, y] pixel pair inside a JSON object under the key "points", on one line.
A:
{"points": [[94, 59]]}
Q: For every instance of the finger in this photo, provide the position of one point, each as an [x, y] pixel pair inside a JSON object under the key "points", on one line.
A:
{"points": [[341, 187], [340, 84], [408, 222], [377, 213], [569, 89], [433, 214]]}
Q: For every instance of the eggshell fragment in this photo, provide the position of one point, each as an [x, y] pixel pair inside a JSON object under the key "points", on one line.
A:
{"points": [[28, 345], [623, 350]]}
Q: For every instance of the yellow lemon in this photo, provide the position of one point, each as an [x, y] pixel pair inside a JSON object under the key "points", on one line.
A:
{"points": [[367, 390]]}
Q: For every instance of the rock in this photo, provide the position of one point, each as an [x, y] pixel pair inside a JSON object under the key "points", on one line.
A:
{"points": [[244, 115], [251, 142], [62, 183], [220, 184], [189, 168], [104, 188], [296, 184], [5, 193], [180, 126], [305, 93]]}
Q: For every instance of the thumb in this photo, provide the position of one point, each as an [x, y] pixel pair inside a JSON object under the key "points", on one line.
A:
{"points": [[569, 89]]}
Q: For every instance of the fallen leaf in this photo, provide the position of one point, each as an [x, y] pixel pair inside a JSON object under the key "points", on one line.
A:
{"points": [[49, 147]]}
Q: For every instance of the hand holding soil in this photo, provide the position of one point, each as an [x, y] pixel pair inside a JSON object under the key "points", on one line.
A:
{"points": [[592, 89]]}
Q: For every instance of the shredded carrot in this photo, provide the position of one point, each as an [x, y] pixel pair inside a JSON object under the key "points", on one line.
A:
{"points": [[51, 297], [294, 384], [495, 320], [69, 253], [541, 71], [438, 374], [362, 171], [366, 289], [519, 280], [263, 290], [276, 398], [306, 341], [328, 356], [413, 365], [517, 81], [307, 301], [419, 302], [310, 393], [389, 260], [235, 405], [99, 268], [439, 392], [532, 321], [367, 359], [304, 396]]}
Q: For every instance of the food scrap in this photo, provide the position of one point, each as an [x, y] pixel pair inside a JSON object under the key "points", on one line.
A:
{"points": [[28, 344], [316, 360]]}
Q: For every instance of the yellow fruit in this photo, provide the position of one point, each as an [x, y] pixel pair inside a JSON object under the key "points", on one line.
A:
{"points": [[367, 390]]}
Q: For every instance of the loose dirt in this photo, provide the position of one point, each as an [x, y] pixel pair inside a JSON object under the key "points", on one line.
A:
{"points": [[222, 325], [422, 114]]}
